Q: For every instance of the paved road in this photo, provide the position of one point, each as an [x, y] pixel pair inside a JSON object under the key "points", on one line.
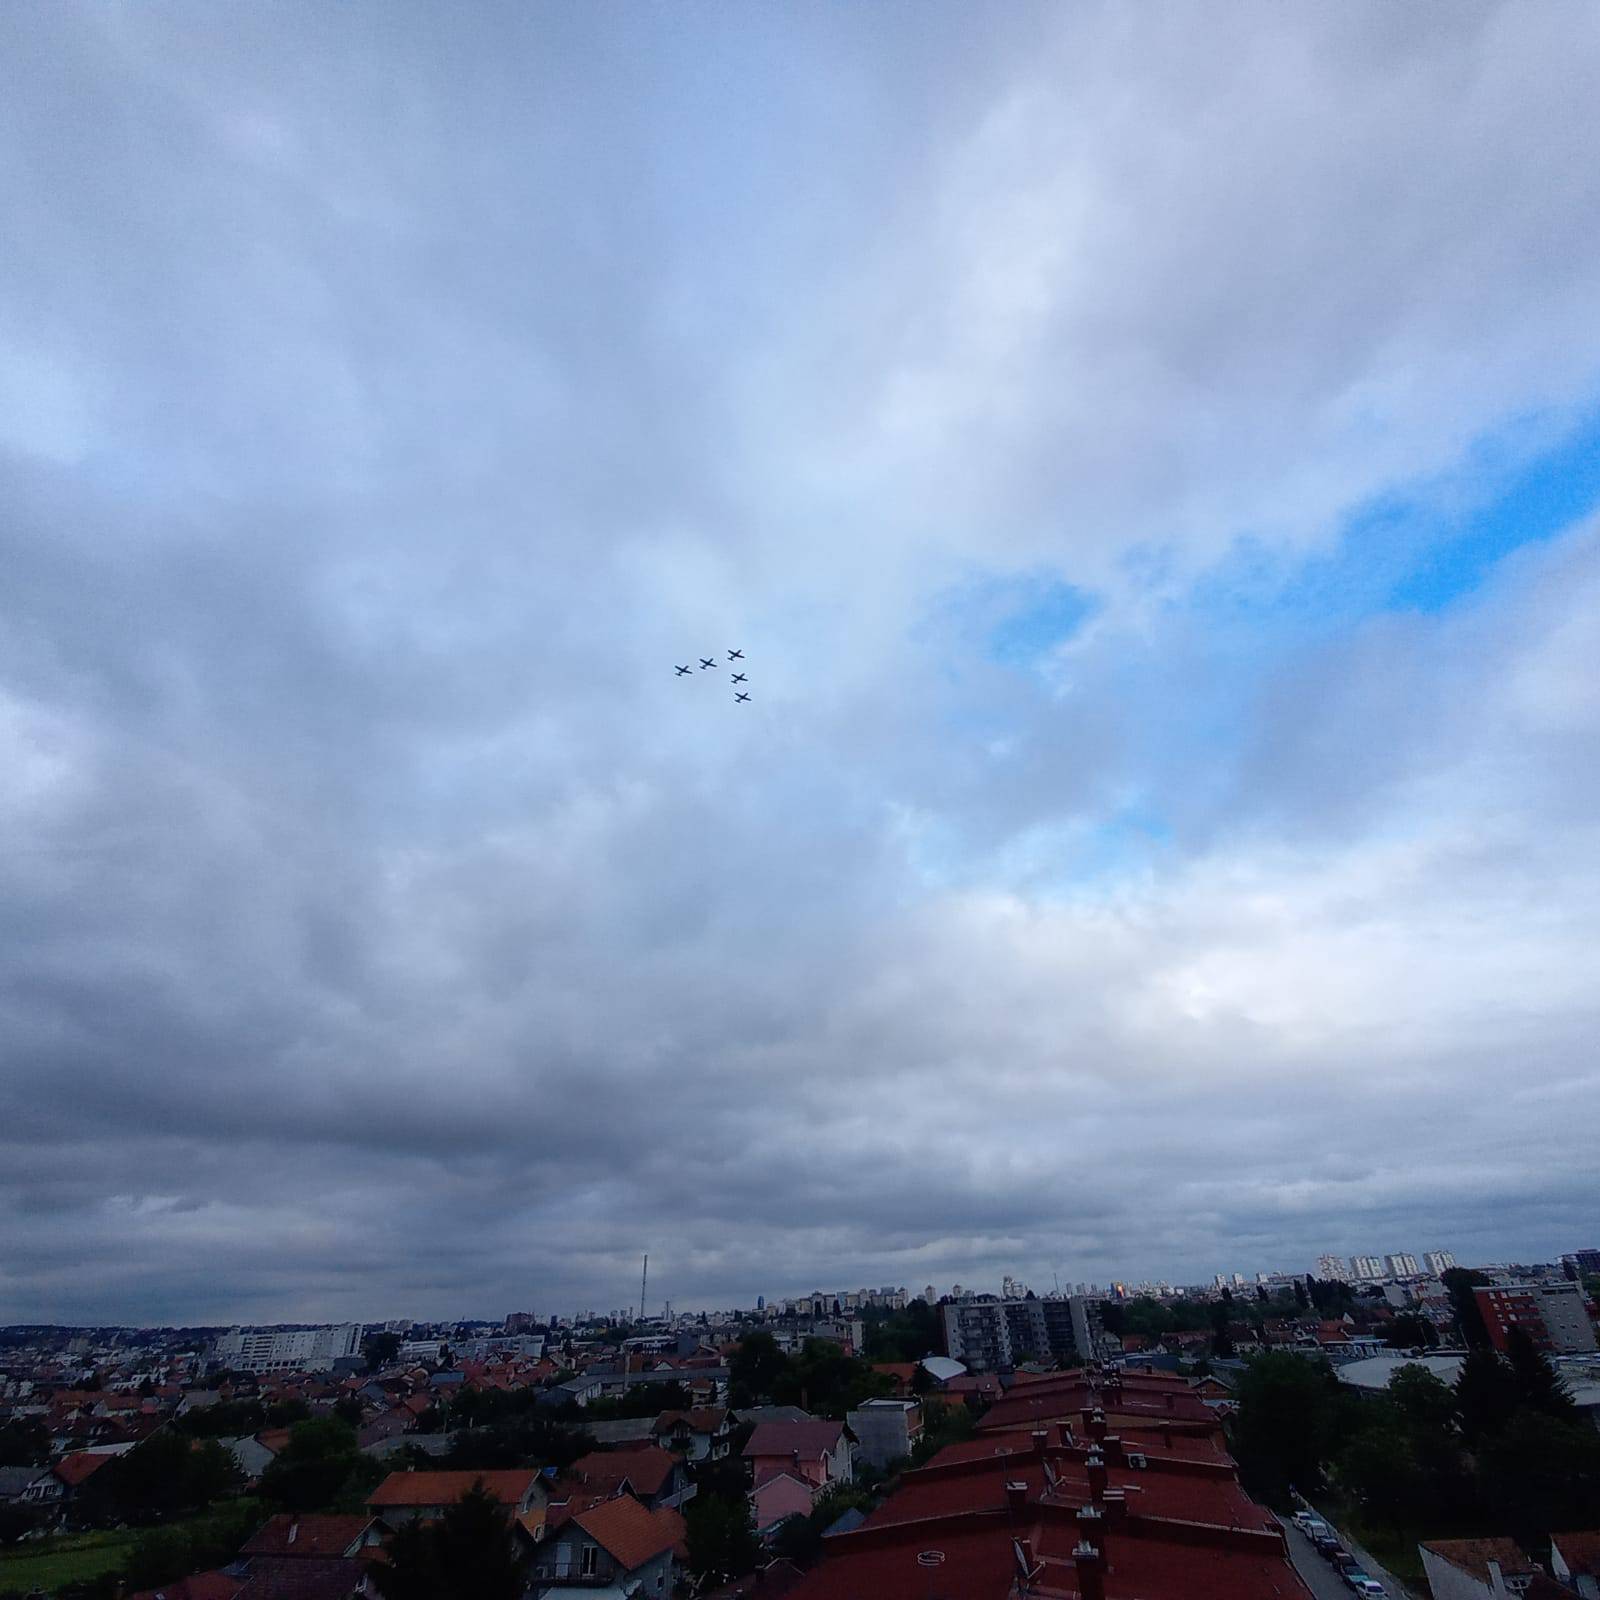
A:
{"points": [[1323, 1581]]}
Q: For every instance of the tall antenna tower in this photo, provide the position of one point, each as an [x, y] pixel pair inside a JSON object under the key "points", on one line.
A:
{"points": [[644, 1279]]}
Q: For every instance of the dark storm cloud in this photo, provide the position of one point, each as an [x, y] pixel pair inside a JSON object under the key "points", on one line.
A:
{"points": [[387, 400]]}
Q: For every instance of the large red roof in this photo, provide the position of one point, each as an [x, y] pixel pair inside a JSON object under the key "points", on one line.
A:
{"points": [[631, 1533], [410, 1489], [646, 1469], [807, 1440]]}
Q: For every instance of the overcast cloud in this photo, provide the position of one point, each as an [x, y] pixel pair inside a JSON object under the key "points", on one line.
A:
{"points": [[1140, 453]]}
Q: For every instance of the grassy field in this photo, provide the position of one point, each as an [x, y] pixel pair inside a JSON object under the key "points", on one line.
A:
{"points": [[47, 1564]]}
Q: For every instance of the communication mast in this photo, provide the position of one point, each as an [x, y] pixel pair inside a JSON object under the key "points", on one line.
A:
{"points": [[644, 1279]]}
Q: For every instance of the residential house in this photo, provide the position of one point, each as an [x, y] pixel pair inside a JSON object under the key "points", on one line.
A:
{"points": [[818, 1451], [56, 1488], [250, 1455], [779, 1496], [704, 1433], [404, 1496], [308, 1536], [653, 1476], [1476, 1569], [215, 1585], [1575, 1561], [619, 1543], [886, 1430]]}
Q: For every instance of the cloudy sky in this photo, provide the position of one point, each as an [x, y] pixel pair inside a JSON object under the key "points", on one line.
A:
{"points": [[1151, 460]]}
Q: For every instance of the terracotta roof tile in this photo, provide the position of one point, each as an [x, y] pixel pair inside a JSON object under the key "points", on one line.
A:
{"points": [[445, 1488], [630, 1533]]}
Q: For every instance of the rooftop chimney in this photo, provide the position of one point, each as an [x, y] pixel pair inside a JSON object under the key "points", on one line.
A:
{"points": [[1098, 1477], [1097, 1424], [1116, 1506], [1091, 1571], [1016, 1497], [1092, 1527], [1040, 1437], [1065, 1436], [1114, 1449]]}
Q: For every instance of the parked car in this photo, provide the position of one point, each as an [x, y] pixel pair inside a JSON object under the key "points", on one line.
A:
{"points": [[1355, 1579], [1365, 1585]]}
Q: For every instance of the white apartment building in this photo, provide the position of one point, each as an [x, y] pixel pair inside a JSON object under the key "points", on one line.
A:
{"points": [[1331, 1269], [1438, 1262], [1402, 1265], [287, 1350], [1367, 1268]]}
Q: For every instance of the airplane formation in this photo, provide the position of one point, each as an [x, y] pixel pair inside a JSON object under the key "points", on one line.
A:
{"points": [[709, 662]]}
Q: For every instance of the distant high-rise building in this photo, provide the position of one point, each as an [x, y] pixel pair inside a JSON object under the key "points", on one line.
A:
{"points": [[1551, 1314], [519, 1322], [1581, 1263], [931, 1295], [997, 1335], [761, 1302], [1366, 1268], [291, 1350], [1331, 1268], [1438, 1262], [1402, 1265]]}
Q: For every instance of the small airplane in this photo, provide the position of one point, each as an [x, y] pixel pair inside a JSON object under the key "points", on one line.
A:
{"points": [[683, 672], [704, 663], [738, 677], [741, 697], [736, 655]]}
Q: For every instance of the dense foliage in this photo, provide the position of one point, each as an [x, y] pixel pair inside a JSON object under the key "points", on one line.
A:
{"points": [[166, 1476], [469, 1553], [820, 1378], [321, 1469], [1499, 1452], [721, 1538]]}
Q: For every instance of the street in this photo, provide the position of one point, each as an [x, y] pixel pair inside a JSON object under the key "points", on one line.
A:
{"points": [[1320, 1578]]}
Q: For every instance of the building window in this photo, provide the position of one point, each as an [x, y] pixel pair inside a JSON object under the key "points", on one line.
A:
{"points": [[591, 1560]]}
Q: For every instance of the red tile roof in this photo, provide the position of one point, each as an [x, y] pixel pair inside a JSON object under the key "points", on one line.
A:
{"points": [[303, 1580], [307, 1536], [411, 1489], [78, 1467], [646, 1470], [1474, 1555], [1580, 1551], [199, 1586], [630, 1533], [807, 1440]]}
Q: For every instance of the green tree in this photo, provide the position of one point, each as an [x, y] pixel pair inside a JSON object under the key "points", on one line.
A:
{"points": [[755, 1368], [1539, 1386], [1424, 1402], [797, 1540], [1540, 1475], [320, 1469], [944, 1423], [1409, 1331], [722, 1540], [1282, 1424], [24, 1442], [17, 1522], [378, 1350], [228, 1419], [164, 1476], [1459, 1282], [470, 1553], [1485, 1394]]}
